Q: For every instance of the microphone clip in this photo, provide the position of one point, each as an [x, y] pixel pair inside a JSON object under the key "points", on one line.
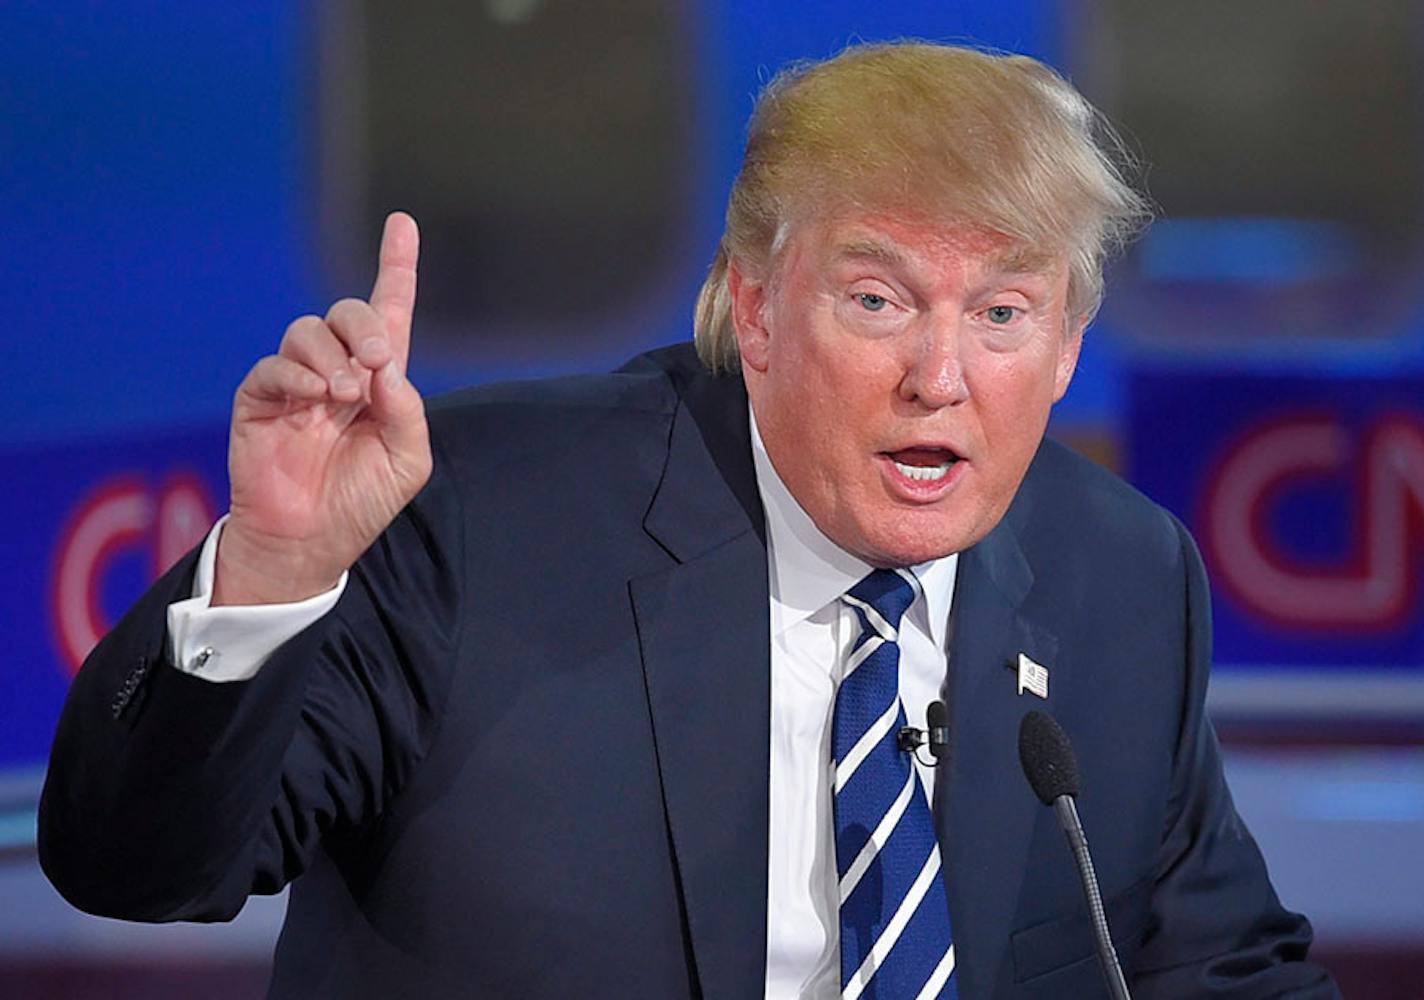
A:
{"points": [[935, 739], [909, 739]]}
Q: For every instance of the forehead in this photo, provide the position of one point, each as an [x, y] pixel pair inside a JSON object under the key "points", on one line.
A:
{"points": [[919, 242]]}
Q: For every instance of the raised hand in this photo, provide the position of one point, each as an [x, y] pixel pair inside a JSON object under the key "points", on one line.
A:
{"points": [[328, 443]]}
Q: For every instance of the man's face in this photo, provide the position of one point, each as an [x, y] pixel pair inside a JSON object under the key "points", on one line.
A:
{"points": [[901, 375]]}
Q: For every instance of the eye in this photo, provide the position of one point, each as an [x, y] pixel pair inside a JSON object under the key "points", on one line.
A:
{"points": [[871, 301], [1001, 315]]}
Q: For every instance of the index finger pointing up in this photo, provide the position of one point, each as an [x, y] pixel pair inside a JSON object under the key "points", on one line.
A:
{"points": [[393, 296]]}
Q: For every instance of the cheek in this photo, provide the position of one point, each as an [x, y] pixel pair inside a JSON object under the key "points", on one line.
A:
{"points": [[1013, 398], [810, 374]]}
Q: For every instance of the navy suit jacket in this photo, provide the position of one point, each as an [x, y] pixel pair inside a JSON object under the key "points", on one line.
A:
{"points": [[527, 754]]}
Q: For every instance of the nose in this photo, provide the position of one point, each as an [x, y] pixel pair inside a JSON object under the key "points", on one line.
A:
{"points": [[934, 371]]}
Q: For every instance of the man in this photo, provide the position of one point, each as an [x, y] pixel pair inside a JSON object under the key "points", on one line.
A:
{"points": [[609, 706]]}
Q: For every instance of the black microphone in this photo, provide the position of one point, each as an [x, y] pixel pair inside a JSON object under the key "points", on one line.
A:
{"points": [[1052, 770], [937, 719], [936, 735]]}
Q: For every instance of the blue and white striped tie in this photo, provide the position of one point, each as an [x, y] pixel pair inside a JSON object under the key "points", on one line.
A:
{"points": [[895, 938]]}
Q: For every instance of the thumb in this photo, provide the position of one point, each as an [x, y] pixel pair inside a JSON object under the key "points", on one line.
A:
{"points": [[397, 408], [395, 402]]}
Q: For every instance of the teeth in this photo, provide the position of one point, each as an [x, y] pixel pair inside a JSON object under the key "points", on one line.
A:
{"points": [[928, 473]]}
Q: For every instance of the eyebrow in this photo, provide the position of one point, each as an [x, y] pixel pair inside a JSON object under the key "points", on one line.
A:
{"points": [[1025, 260], [857, 249], [1019, 259]]}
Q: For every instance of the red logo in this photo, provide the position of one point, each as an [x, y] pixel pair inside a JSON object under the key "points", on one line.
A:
{"points": [[120, 515], [1374, 586]]}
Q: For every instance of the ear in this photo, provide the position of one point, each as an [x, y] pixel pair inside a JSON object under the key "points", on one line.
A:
{"points": [[749, 308], [1068, 356]]}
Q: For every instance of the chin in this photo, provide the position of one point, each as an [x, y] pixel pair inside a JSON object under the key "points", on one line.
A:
{"points": [[912, 545]]}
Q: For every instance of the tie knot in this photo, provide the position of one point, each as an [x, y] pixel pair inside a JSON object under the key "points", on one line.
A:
{"points": [[885, 591]]}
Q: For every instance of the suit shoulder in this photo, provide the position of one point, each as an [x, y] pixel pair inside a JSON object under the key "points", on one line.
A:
{"points": [[558, 418], [1068, 496], [555, 400]]}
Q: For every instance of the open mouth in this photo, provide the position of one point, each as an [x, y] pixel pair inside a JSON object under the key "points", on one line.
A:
{"points": [[925, 465]]}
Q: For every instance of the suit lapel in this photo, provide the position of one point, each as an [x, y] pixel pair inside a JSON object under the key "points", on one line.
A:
{"points": [[987, 810], [703, 627], [705, 637]]}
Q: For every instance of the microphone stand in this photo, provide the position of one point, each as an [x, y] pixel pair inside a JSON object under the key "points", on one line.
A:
{"points": [[1077, 841]]}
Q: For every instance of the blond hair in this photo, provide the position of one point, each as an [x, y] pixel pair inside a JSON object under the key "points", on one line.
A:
{"points": [[999, 142]]}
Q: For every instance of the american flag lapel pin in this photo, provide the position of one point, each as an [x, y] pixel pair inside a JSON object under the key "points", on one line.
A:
{"points": [[1032, 677]]}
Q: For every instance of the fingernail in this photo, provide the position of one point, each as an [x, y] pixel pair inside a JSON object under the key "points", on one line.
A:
{"points": [[342, 382], [391, 373], [372, 347]]}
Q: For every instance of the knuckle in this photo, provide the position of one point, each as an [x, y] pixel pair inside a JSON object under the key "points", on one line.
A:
{"points": [[303, 331], [263, 369], [346, 311], [301, 323], [257, 376]]}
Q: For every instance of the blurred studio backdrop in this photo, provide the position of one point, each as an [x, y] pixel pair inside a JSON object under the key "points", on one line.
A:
{"points": [[179, 180]]}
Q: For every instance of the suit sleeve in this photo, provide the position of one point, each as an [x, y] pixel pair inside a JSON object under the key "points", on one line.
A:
{"points": [[172, 798], [1218, 929]]}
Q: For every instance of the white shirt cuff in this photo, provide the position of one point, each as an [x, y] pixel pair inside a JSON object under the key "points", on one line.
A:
{"points": [[232, 642]]}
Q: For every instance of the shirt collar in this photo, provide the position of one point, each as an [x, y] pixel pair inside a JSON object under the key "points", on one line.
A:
{"points": [[809, 571]]}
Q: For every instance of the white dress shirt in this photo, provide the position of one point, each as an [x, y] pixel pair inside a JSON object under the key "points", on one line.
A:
{"points": [[811, 630]]}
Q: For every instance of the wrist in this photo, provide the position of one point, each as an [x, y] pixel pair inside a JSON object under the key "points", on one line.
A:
{"points": [[256, 570]]}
